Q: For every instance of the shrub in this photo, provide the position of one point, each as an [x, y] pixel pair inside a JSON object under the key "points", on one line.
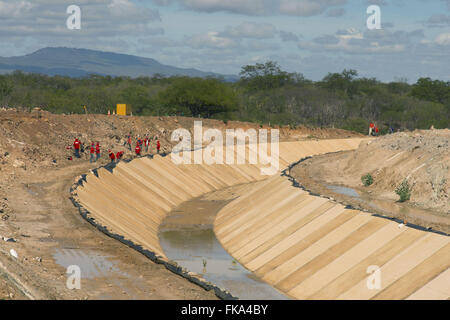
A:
{"points": [[356, 125], [367, 180], [404, 191]]}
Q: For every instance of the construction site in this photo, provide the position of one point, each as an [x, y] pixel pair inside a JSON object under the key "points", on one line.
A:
{"points": [[148, 228]]}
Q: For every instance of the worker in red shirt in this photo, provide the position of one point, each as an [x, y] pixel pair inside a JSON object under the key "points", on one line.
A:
{"points": [[119, 155], [139, 141], [112, 156], [129, 142], [138, 149], [376, 131], [92, 159], [146, 143], [76, 147], [158, 146], [97, 151], [371, 128]]}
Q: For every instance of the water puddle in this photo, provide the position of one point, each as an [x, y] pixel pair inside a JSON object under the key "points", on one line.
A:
{"points": [[187, 237], [344, 190], [405, 211], [92, 264]]}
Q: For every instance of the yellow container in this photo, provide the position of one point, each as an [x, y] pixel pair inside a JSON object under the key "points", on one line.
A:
{"points": [[123, 109]]}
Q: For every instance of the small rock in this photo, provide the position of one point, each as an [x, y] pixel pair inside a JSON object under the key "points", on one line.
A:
{"points": [[14, 253], [8, 239], [18, 164]]}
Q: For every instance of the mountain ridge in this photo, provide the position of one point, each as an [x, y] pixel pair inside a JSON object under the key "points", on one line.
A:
{"points": [[79, 62]]}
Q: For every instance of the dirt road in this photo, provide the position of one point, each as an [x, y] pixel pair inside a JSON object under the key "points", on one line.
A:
{"points": [[48, 229]]}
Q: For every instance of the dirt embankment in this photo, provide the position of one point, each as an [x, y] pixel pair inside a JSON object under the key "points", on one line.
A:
{"points": [[35, 210], [420, 157]]}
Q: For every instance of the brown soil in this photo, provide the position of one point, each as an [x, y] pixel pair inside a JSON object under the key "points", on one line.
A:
{"points": [[421, 157], [35, 210]]}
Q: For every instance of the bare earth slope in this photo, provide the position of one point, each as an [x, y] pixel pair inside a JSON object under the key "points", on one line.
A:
{"points": [[421, 157]]}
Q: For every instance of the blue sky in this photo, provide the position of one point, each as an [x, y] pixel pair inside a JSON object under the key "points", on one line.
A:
{"points": [[312, 37]]}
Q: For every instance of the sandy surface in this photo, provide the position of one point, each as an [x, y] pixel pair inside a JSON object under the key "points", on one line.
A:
{"points": [[45, 223]]}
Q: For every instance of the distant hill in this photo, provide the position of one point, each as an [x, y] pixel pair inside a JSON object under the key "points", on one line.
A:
{"points": [[81, 62]]}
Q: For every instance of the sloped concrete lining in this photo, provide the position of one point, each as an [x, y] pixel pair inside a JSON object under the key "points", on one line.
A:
{"points": [[297, 242], [310, 247], [134, 198]]}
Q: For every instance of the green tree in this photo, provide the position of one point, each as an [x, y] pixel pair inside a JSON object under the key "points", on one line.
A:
{"points": [[264, 76], [137, 96], [343, 82], [432, 90], [201, 97], [5, 89]]}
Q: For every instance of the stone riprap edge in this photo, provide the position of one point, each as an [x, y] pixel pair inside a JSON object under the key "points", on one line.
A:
{"points": [[287, 173], [170, 265]]}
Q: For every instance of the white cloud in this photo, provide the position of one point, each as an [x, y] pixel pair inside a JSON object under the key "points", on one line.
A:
{"points": [[257, 7], [14, 9], [287, 36], [307, 7], [251, 30], [336, 12], [443, 39], [438, 20], [127, 9], [377, 2], [354, 42], [211, 39], [248, 7], [103, 22]]}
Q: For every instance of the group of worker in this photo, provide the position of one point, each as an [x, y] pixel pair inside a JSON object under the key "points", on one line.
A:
{"points": [[95, 149], [143, 144], [373, 130]]}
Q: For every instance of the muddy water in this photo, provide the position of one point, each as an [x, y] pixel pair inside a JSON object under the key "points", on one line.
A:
{"points": [[405, 211], [344, 190], [187, 237], [92, 264]]}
